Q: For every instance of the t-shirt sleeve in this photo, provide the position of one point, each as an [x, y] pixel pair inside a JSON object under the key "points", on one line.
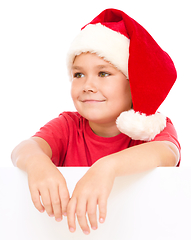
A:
{"points": [[169, 134], [55, 133]]}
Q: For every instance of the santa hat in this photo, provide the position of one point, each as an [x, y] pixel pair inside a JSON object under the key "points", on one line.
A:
{"points": [[120, 40]]}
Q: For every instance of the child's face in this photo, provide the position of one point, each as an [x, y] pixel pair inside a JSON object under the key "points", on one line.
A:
{"points": [[100, 91]]}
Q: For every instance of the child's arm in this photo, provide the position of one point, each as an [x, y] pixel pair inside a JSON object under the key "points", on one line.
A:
{"points": [[94, 187], [45, 180]]}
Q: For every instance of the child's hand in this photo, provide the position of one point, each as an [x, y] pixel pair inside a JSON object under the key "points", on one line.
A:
{"points": [[45, 180], [91, 190]]}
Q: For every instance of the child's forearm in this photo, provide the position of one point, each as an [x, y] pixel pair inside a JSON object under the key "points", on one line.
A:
{"points": [[142, 158], [29, 151]]}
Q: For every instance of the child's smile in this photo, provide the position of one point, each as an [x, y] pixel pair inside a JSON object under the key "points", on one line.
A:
{"points": [[99, 90]]}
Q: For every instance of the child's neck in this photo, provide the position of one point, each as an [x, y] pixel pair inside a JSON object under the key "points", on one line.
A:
{"points": [[104, 130]]}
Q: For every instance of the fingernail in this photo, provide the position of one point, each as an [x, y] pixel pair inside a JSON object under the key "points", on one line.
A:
{"points": [[94, 228], [65, 214], [86, 232], [58, 219], [72, 229], [101, 220], [51, 215]]}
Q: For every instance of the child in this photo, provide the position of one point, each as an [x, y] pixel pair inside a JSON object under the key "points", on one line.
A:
{"points": [[119, 78]]}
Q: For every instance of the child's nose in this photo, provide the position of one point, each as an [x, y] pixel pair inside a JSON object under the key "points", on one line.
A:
{"points": [[90, 85]]}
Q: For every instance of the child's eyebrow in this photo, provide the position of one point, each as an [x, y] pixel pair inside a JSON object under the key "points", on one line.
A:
{"points": [[103, 66], [99, 67], [77, 68]]}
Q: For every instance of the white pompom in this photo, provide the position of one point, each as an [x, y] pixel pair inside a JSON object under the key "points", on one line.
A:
{"points": [[139, 126]]}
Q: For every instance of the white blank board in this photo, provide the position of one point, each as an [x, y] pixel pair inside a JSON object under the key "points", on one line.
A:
{"points": [[151, 205]]}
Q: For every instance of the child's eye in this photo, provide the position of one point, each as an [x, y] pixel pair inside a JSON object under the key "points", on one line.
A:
{"points": [[78, 75], [103, 74]]}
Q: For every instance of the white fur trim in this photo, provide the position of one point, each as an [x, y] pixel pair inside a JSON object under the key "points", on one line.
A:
{"points": [[106, 43], [139, 126]]}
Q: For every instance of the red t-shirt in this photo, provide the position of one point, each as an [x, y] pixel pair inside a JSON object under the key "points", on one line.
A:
{"points": [[73, 143]]}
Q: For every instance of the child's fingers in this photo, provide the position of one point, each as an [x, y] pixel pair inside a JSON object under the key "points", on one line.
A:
{"points": [[35, 196], [102, 203], [81, 215], [64, 197], [46, 200], [71, 209], [56, 203], [80, 209], [92, 212]]}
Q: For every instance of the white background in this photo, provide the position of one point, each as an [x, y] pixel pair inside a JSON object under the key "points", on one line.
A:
{"points": [[34, 39]]}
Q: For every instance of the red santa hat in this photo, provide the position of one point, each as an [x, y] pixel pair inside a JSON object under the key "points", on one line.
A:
{"points": [[120, 40]]}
